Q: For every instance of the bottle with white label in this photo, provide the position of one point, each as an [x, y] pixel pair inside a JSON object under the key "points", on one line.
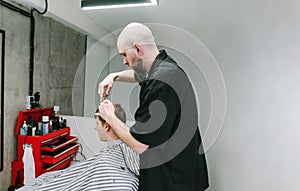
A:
{"points": [[23, 129], [45, 124]]}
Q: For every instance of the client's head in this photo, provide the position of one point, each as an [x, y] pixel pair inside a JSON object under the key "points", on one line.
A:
{"points": [[105, 132]]}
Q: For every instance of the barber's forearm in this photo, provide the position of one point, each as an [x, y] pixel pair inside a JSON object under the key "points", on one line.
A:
{"points": [[125, 76], [122, 130]]}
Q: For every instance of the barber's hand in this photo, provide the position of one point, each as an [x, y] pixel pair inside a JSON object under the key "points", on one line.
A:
{"points": [[106, 108], [105, 86]]}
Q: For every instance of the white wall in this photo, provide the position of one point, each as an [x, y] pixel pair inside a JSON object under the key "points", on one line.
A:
{"points": [[256, 44], [97, 59]]}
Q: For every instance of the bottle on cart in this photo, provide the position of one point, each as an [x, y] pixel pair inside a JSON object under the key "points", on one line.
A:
{"points": [[29, 130], [33, 131], [63, 122], [39, 130], [55, 119], [50, 126], [45, 124], [33, 127], [23, 129], [40, 126]]}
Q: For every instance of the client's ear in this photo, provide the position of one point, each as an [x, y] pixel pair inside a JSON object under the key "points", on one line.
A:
{"points": [[106, 126]]}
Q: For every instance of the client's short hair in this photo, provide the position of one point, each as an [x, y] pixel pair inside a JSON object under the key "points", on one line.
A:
{"points": [[119, 112]]}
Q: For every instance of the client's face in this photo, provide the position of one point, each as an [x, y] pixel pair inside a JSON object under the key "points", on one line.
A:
{"points": [[100, 130]]}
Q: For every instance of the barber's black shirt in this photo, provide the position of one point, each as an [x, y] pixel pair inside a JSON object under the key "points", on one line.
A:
{"points": [[167, 121]]}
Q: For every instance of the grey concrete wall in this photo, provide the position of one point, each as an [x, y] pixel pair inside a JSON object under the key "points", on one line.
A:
{"points": [[59, 59], [59, 51]]}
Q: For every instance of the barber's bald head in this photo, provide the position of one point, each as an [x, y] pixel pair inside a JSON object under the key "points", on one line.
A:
{"points": [[135, 32]]}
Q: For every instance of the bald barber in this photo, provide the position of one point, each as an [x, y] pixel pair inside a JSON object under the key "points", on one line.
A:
{"points": [[165, 133]]}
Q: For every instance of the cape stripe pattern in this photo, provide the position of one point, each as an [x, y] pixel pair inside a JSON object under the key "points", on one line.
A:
{"points": [[115, 167]]}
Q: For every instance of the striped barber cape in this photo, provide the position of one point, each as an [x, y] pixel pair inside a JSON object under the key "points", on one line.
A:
{"points": [[115, 167]]}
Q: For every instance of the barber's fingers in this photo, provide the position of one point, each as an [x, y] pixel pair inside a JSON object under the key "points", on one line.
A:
{"points": [[105, 86], [101, 90], [108, 88], [106, 105], [101, 112], [100, 107], [98, 114], [105, 108], [104, 91]]}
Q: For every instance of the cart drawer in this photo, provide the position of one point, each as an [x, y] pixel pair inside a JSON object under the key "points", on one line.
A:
{"points": [[58, 166], [58, 156], [59, 143]]}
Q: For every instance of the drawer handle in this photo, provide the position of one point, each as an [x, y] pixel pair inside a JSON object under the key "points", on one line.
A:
{"points": [[56, 156]]}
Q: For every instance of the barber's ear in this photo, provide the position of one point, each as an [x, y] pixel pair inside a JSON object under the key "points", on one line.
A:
{"points": [[138, 48]]}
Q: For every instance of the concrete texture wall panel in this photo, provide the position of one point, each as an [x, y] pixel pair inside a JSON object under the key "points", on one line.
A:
{"points": [[58, 53], [63, 54], [16, 80]]}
